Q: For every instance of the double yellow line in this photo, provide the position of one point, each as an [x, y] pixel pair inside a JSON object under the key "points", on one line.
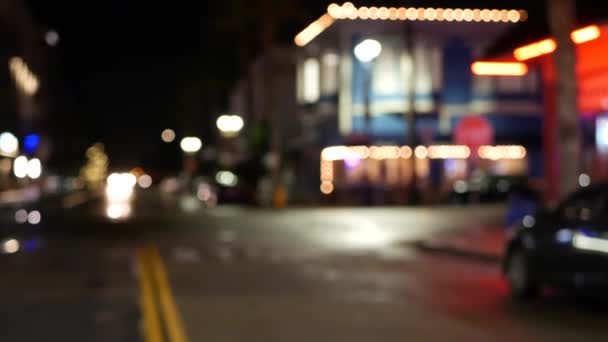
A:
{"points": [[156, 299]]}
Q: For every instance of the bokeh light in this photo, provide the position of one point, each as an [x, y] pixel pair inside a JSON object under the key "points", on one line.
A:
{"points": [[144, 181], [34, 168], [20, 167], [168, 135], [191, 144], [21, 216], [9, 144], [34, 217], [10, 246]]}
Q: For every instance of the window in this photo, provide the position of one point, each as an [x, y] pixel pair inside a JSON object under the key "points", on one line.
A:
{"points": [[308, 81], [583, 207], [329, 74]]}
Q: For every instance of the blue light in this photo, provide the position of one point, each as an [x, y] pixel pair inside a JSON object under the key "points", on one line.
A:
{"points": [[31, 143], [564, 235]]}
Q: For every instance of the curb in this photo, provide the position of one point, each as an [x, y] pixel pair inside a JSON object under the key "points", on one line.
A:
{"points": [[432, 247]]}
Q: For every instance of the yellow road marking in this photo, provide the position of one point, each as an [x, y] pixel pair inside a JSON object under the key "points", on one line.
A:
{"points": [[175, 326], [151, 320]]}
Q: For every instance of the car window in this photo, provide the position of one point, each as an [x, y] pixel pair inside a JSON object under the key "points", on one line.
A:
{"points": [[584, 207]]}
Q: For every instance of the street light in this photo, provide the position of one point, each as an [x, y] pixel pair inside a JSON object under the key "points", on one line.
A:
{"points": [[20, 167], [168, 135], [9, 144], [366, 52], [191, 145], [52, 38], [230, 125]]}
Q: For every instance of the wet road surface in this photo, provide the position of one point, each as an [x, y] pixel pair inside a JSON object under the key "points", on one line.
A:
{"points": [[237, 274]]}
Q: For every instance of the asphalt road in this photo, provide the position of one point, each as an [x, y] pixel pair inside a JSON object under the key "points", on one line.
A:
{"points": [[175, 272]]}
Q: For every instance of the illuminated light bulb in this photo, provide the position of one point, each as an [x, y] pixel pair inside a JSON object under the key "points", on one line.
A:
{"points": [[458, 15], [495, 14], [34, 168], [327, 176], [476, 15], [383, 13], [504, 16], [486, 15], [9, 144], [467, 152], [499, 68], [412, 14], [440, 14], [523, 152], [585, 34], [34, 217], [364, 13], [584, 180], [534, 50], [10, 246], [368, 50], [375, 153], [406, 152], [514, 16], [482, 152], [430, 14], [335, 11], [421, 152], [448, 14], [168, 135], [392, 13], [402, 13], [327, 188], [51, 38], [467, 15], [20, 166], [144, 181], [191, 144], [420, 14], [349, 10], [373, 13]]}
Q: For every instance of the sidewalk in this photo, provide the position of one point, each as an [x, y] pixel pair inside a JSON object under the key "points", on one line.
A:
{"points": [[484, 244]]}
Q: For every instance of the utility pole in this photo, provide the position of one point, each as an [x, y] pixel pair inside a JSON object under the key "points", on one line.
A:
{"points": [[561, 15]]}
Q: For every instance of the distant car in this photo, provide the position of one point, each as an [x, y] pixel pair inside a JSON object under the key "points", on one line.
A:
{"points": [[566, 247], [491, 189]]}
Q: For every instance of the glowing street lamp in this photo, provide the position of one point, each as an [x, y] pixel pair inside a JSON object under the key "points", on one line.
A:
{"points": [[366, 52], [9, 144], [168, 135], [191, 145], [230, 125]]}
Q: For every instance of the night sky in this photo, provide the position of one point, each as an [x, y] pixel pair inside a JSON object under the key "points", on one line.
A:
{"points": [[125, 70]]}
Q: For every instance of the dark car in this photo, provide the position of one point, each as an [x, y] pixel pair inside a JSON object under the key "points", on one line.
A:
{"points": [[565, 247], [489, 189]]}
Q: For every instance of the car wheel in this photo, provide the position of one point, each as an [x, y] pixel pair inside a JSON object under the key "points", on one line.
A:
{"points": [[519, 276]]}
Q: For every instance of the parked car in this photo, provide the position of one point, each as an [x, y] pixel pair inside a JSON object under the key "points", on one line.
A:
{"points": [[565, 247], [489, 189]]}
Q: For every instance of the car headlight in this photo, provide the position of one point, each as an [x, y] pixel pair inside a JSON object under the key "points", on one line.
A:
{"points": [[564, 236], [589, 243]]}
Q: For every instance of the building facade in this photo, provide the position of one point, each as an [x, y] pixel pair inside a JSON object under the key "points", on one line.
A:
{"points": [[416, 114], [24, 93]]}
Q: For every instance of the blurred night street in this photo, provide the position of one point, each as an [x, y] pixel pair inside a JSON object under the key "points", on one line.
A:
{"points": [[329, 274], [303, 171]]}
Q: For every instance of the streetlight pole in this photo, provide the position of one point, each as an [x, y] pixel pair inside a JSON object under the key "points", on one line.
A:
{"points": [[366, 52]]}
